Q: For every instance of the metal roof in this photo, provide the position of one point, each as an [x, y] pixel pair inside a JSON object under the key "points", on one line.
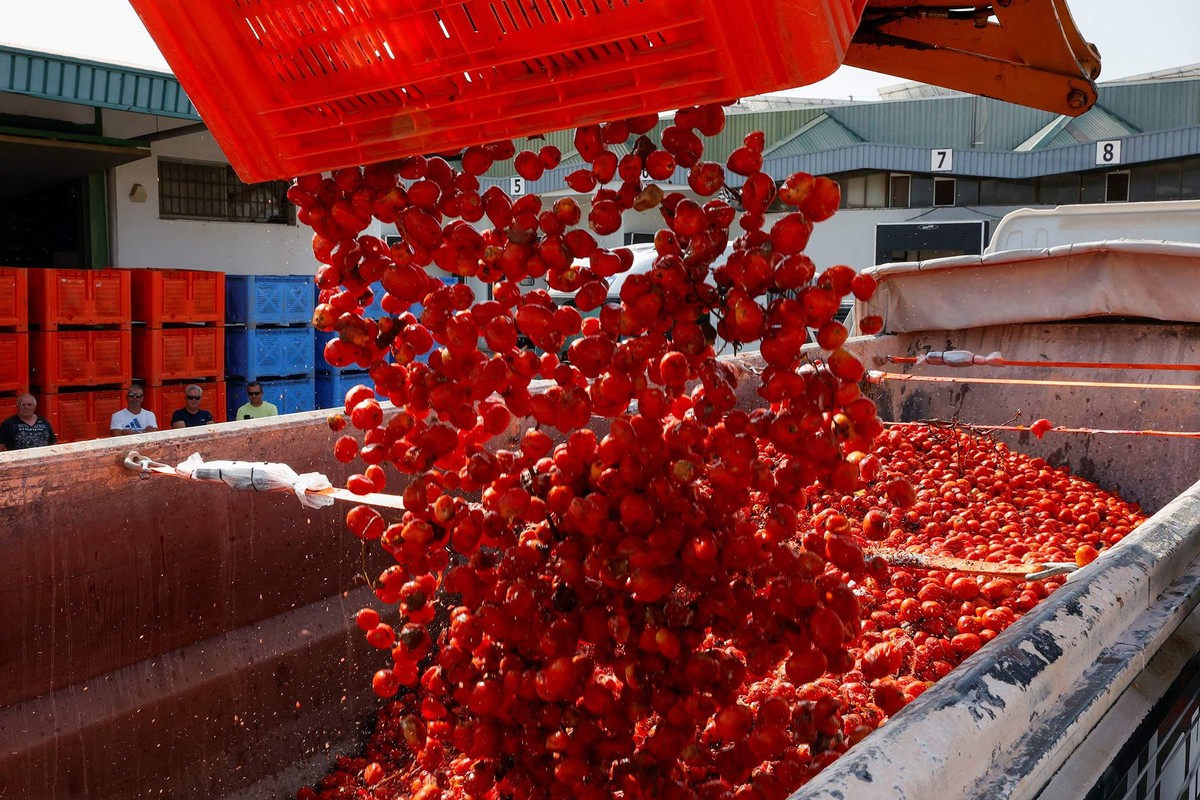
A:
{"points": [[957, 121], [1138, 148], [1043, 137], [823, 133], [1154, 105], [91, 83], [1096, 125], [990, 138]]}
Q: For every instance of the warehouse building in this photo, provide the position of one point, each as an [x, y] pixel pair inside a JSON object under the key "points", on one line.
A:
{"points": [[926, 172], [102, 164]]}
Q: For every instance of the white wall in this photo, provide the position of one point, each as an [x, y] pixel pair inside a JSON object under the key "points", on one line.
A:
{"points": [[141, 239]]}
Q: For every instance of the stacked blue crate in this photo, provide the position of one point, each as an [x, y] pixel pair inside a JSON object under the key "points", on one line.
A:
{"points": [[254, 300], [332, 383], [268, 339], [331, 387]]}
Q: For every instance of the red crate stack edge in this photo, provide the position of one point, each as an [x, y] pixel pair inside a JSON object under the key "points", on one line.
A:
{"points": [[78, 416], [79, 297], [80, 347], [179, 338], [14, 326], [79, 338]]}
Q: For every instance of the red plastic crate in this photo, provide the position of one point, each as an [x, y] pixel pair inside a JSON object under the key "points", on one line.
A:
{"points": [[80, 358], [289, 88], [14, 362], [166, 400], [59, 297], [14, 298], [166, 354], [78, 416], [167, 296]]}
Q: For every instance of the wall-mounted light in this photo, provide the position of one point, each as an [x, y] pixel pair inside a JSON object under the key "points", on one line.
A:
{"points": [[138, 193]]}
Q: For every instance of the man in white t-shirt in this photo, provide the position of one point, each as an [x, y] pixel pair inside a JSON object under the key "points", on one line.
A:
{"points": [[133, 418]]}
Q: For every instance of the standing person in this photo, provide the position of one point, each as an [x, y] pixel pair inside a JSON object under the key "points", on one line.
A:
{"points": [[191, 415], [133, 418], [257, 407], [26, 428]]}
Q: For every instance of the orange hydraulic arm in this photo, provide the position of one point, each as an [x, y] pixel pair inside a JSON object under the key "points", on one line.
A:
{"points": [[1027, 52]]}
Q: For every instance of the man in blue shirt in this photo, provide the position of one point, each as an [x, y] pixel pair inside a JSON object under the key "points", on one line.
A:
{"points": [[191, 415]]}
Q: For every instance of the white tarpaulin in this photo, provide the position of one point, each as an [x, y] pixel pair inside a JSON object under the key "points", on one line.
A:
{"points": [[1152, 280]]}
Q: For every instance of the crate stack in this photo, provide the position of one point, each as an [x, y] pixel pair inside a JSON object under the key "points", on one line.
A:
{"points": [[269, 339], [80, 348], [332, 382], [179, 338], [14, 337]]}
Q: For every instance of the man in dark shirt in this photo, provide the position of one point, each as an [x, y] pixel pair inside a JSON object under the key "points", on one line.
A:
{"points": [[25, 428], [191, 414]]}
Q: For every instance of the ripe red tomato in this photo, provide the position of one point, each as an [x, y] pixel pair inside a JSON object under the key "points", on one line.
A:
{"points": [[345, 449]]}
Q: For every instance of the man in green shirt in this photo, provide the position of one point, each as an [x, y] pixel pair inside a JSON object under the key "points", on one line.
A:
{"points": [[257, 407]]}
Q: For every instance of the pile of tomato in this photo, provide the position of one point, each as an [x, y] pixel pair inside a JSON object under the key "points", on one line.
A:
{"points": [[658, 592]]}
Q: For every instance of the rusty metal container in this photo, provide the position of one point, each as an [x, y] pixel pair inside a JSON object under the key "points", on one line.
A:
{"points": [[165, 638]]}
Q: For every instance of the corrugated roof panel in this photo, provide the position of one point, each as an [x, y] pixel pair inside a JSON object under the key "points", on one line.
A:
{"points": [[1092, 126], [1042, 138], [1161, 145], [909, 122], [1136, 149], [996, 125], [1154, 105], [959, 122], [75, 80], [823, 133], [775, 125], [984, 133]]}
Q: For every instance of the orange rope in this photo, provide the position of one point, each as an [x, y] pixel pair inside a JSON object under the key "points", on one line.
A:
{"points": [[878, 377], [1004, 362], [1056, 429]]}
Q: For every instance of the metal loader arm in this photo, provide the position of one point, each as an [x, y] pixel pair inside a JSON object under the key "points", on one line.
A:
{"points": [[1027, 52]]}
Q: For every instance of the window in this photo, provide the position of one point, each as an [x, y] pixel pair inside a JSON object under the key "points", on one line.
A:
{"points": [[900, 191], [877, 190], [1167, 181], [1190, 179], [1116, 189], [966, 191], [1057, 190], [943, 191], [854, 191], [1143, 183], [865, 191], [994, 192], [212, 191]]}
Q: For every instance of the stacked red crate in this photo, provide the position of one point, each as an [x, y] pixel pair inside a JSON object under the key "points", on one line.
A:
{"points": [[14, 336], [179, 338], [78, 416], [80, 347]]}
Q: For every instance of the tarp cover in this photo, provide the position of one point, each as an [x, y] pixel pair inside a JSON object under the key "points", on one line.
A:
{"points": [[1152, 280]]}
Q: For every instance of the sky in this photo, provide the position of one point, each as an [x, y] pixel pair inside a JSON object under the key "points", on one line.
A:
{"points": [[1133, 38]]}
